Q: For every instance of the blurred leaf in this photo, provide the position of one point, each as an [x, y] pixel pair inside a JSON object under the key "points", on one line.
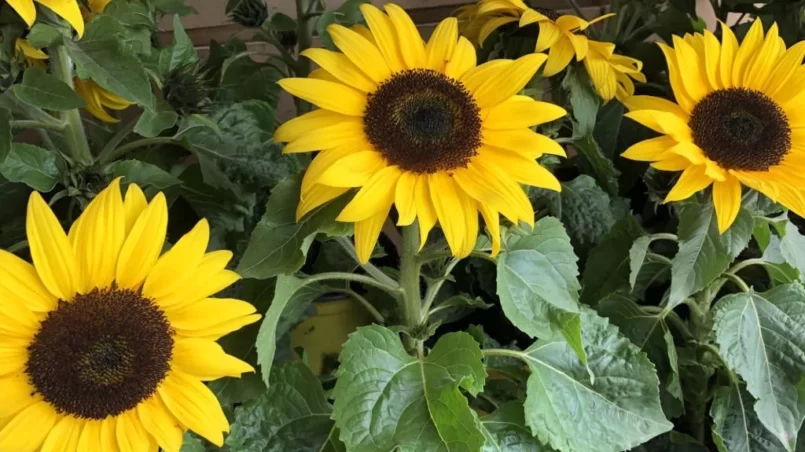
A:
{"points": [[31, 165], [792, 247], [43, 35], [42, 90], [183, 51], [608, 266], [152, 123], [586, 212], [142, 173]]}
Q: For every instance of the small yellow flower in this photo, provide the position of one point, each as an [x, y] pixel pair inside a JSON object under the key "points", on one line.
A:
{"points": [[99, 99], [105, 344], [561, 35], [738, 119], [69, 10], [610, 73]]}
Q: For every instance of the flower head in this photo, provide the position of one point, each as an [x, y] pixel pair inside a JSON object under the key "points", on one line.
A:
{"points": [[737, 120], [419, 126], [105, 343], [68, 10]]}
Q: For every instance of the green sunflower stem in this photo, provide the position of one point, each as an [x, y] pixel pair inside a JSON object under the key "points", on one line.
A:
{"points": [[74, 128], [409, 280]]}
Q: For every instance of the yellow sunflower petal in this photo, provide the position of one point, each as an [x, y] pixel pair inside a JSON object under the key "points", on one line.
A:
{"points": [[692, 180], [385, 37], [603, 76], [315, 197], [13, 356], [28, 429], [729, 47], [675, 163], [712, 57], [51, 252], [471, 226], [649, 150], [404, 198], [160, 424], [328, 137], [99, 237], [352, 170], [143, 245], [64, 436], [90, 438], [549, 34], [635, 103], [580, 45], [691, 67], [520, 111], [492, 221], [209, 278], [341, 68], [523, 140], [328, 95], [108, 439], [520, 168], [133, 204], [19, 322], [175, 267], [366, 234], [785, 69], [462, 61], [727, 201], [375, 196], [363, 53], [206, 360], [302, 125], [690, 151], [200, 318], [560, 55], [442, 43], [67, 10], [20, 284], [484, 186], [491, 25], [16, 394], [662, 122], [763, 62], [749, 47], [30, 51], [675, 77], [194, 405], [530, 16], [425, 212], [504, 84], [131, 435], [477, 76], [408, 38], [26, 9]]}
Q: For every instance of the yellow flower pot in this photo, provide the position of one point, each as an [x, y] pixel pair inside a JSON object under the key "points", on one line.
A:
{"points": [[322, 334]]}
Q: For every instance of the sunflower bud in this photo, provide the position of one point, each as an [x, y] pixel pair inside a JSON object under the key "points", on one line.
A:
{"points": [[249, 13], [187, 89]]}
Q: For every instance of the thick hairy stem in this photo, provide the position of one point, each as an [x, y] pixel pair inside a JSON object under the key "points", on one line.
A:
{"points": [[410, 266], [74, 128]]}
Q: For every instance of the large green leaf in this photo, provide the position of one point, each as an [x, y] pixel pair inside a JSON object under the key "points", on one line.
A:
{"points": [[40, 89], [538, 285], [704, 254], [31, 165], [762, 337], [792, 247], [100, 56], [292, 296], [672, 442], [387, 399], [152, 123], [279, 243], [293, 415], [505, 431], [651, 334], [183, 51], [736, 426], [608, 265], [619, 410], [585, 211]]}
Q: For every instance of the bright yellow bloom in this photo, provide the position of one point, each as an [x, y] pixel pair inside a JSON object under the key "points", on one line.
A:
{"points": [[561, 34], [69, 10], [739, 118], [98, 99], [610, 73], [105, 345], [418, 125]]}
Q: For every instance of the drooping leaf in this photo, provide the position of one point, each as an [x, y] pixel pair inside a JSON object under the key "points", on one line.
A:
{"points": [[42, 90], [608, 266], [704, 254], [583, 101], [31, 165], [386, 399], [153, 123], [100, 56], [292, 415], [586, 212], [505, 431], [292, 296], [142, 173], [637, 257], [736, 425], [619, 410], [183, 51], [279, 243], [762, 337], [777, 266], [538, 285]]}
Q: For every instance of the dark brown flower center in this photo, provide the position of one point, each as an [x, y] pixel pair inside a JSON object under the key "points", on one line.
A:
{"points": [[741, 129], [423, 121], [547, 12], [100, 354]]}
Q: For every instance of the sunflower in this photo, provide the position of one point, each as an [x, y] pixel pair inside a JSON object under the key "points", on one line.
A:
{"points": [[103, 343], [739, 119], [610, 73], [419, 126], [560, 34], [99, 99], [68, 10]]}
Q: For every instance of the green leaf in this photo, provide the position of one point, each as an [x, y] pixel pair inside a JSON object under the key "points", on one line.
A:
{"points": [[279, 243], [586, 213], [153, 122], [736, 426], [608, 266], [292, 296], [583, 100], [43, 35], [672, 442], [31, 165], [792, 247], [192, 443], [143, 174], [505, 431], [762, 337], [5, 134], [651, 335], [100, 56], [42, 90], [704, 254], [183, 51], [455, 308], [602, 167], [387, 399], [637, 257], [292, 415], [610, 117], [538, 285], [762, 233], [619, 410], [656, 270]]}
